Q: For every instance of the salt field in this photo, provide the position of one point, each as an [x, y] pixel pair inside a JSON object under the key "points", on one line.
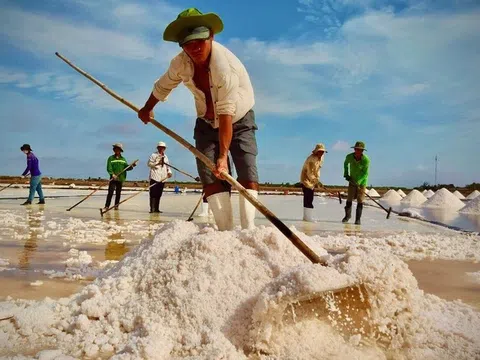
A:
{"points": [[136, 285]]}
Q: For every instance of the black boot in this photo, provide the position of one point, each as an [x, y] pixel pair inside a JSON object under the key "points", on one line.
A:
{"points": [[152, 205], [41, 202], [348, 212], [28, 202], [157, 205], [358, 214]]}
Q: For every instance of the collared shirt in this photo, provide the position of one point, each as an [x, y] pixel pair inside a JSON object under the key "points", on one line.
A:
{"points": [[231, 89], [158, 167], [358, 168], [310, 175]]}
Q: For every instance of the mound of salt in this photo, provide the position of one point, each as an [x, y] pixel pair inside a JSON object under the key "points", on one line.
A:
{"points": [[444, 199], [203, 294], [373, 193], [401, 193], [391, 196], [459, 195], [72, 186], [472, 207], [474, 194], [414, 198], [428, 193]]}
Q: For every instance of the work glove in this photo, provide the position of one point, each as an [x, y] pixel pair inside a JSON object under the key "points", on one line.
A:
{"points": [[348, 178], [197, 179]]}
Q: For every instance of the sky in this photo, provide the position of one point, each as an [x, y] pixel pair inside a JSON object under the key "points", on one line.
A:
{"points": [[403, 76]]}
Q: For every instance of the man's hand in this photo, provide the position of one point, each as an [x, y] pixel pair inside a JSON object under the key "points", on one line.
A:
{"points": [[222, 165], [348, 178], [197, 178], [145, 114], [169, 175], [114, 177]]}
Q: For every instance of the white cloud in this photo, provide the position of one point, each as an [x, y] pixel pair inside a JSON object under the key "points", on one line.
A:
{"points": [[341, 145]]}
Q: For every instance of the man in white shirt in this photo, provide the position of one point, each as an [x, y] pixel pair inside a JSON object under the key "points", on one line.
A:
{"points": [[224, 100], [159, 172]]}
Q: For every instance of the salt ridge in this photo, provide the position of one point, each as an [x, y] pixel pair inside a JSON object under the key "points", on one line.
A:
{"points": [[444, 199], [391, 196], [203, 294], [472, 207]]}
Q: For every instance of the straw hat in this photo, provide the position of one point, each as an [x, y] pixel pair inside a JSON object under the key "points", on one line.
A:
{"points": [[162, 144], [319, 147], [186, 26], [118, 145], [359, 145]]}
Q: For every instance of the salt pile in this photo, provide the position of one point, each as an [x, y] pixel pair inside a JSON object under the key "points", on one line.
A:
{"points": [[414, 198], [472, 207], [401, 193], [444, 199], [373, 193], [428, 193], [391, 196], [459, 195], [72, 186], [202, 294], [474, 194]]}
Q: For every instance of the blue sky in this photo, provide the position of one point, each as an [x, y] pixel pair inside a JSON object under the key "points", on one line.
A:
{"points": [[403, 76]]}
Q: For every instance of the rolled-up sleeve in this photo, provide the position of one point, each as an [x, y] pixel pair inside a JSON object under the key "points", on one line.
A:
{"points": [[228, 95], [167, 82]]}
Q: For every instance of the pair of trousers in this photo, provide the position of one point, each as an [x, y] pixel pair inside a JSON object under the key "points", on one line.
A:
{"points": [[156, 192], [116, 186], [307, 197], [35, 186]]}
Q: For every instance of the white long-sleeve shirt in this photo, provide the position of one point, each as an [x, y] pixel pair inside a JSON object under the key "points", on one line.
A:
{"points": [[231, 89], [158, 171]]}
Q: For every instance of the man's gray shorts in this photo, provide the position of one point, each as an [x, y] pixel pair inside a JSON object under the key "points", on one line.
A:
{"points": [[243, 148]]}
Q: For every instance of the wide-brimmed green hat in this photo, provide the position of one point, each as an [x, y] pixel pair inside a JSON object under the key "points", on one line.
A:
{"points": [[187, 21], [359, 145]]}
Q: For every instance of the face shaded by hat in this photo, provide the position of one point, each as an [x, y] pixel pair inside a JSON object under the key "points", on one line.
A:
{"points": [[359, 145], [26, 147], [192, 24], [118, 146], [319, 147]]}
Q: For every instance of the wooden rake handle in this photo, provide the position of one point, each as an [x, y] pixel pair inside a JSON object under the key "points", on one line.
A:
{"points": [[309, 253]]}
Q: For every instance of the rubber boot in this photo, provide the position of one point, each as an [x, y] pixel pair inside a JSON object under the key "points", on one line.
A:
{"points": [[247, 211], [204, 212], [358, 214], [157, 205], [308, 215], [28, 202], [41, 202], [348, 212], [152, 205], [221, 205]]}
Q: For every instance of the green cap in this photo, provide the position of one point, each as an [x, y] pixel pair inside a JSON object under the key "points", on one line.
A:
{"points": [[188, 23], [359, 145]]}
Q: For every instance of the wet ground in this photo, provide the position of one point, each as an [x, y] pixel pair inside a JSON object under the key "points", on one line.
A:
{"points": [[38, 238]]}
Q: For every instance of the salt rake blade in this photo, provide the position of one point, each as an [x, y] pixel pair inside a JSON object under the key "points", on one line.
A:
{"points": [[346, 309], [101, 212], [388, 212]]}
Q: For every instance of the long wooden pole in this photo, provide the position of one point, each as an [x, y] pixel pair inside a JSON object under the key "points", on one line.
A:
{"points": [[183, 172], [299, 244], [376, 202], [190, 218], [94, 191], [332, 192], [6, 187]]}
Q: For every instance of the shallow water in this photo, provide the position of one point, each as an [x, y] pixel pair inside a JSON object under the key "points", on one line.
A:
{"points": [[32, 242]]}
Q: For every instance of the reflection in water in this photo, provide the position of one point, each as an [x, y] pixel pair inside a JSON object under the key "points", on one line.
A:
{"points": [[29, 248], [115, 251], [351, 229]]}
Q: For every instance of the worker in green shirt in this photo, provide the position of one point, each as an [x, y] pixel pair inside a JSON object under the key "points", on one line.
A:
{"points": [[355, 171], [116, 163]]}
